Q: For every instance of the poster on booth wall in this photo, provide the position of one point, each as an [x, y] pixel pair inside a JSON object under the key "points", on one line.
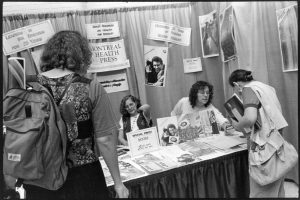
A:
{"points": [[103, 30], [228, 48], [114, 83], [26, 37], [143, 141], [155, 65], [168, 130], [192, 65], [287, 20], [169, 33], [108, 56], [209, 34]]}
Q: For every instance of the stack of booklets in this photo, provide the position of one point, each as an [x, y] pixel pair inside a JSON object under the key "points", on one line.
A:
{"points": [[128, 171], [154, 162]]}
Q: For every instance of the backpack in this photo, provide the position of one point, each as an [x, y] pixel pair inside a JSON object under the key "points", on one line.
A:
{"points": [[35, 139]]}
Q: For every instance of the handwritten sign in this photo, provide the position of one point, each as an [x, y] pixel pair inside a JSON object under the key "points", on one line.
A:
{"points": [[27, 37], [143, 141], [192, 65], [102, 30], [169, 33], [114, 83], [108, 56]]}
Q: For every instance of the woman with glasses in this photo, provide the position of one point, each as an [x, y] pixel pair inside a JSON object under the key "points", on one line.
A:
{"points": [[199, 99]]}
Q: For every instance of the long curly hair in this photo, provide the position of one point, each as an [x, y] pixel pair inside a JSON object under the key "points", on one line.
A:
{"points": [[200, 85], [123, 110], [240, 75], [66, 50]]}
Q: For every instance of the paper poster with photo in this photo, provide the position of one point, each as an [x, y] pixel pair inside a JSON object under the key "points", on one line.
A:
{"points": [[209, 34], [192, 65], [287, 20], [114, 83], [167, 130], [228, 48], [155, 61]]}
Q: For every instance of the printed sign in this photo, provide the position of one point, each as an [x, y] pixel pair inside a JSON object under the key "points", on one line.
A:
{"points": [[143, 141], [169, 33], [114, 83], [108, 56], [27, 37], [192, 65], [103, 30]]}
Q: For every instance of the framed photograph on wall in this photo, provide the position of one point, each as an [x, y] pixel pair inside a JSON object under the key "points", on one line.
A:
{"points": [[287, 20], [209, 34], [228, 48]]}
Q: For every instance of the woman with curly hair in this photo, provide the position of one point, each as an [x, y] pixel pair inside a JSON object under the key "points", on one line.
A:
{"points": [[200, 98], [89, 119], [134, 117]]}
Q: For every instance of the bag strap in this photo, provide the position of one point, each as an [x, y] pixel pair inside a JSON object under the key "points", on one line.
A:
{"points": [[66, 88]]}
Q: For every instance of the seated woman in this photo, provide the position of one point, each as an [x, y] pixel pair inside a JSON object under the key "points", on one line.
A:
{"points": [[134, 117], [200, 97]]}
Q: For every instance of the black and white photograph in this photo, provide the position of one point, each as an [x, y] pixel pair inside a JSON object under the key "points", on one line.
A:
{"points": [[228, 47], [140, 100], [155, 65], [209, 34], [288, 33]]}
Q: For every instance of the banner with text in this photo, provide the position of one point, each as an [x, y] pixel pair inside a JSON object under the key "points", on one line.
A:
{"points": [[114, 83], [169, 33], [143, 141], [27, 37], [103, 30], [108, 56]]}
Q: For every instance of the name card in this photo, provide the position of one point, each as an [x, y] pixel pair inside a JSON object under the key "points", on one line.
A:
{"points": [[143, 141], [102, 30], [169, 33], [27, 37], [114, 83], [192, 65]]}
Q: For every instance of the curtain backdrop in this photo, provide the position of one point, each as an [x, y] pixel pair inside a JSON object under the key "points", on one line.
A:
{"points": [[257, 43]]}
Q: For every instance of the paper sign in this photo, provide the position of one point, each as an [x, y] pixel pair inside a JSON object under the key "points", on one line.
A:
{"points": [[143, 141], [103, 30], [108, 56], [27, 37], [114, 83], [192, 65], [169, 33]]}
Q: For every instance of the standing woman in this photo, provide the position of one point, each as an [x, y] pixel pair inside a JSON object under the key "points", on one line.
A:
{"points": [[134, 117], [265, 108], [88, 115]]}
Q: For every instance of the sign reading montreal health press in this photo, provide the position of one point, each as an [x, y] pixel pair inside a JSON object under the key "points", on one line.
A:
{"points": [[27, 37], [107, 56]]}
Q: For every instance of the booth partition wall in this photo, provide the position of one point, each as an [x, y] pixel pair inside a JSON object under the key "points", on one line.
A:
{"points": [[257, 49]]}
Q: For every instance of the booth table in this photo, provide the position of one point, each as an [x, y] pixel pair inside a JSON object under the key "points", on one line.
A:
{"points": [[226, 176]]}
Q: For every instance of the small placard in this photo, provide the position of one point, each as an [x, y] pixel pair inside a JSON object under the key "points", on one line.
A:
{"points": [[143, 141]]}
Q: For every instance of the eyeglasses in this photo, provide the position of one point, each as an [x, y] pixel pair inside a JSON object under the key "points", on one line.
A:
{"points": [[204, 92]]}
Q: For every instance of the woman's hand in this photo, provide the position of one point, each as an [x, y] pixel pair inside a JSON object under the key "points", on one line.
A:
{"points": [[121, 191]]}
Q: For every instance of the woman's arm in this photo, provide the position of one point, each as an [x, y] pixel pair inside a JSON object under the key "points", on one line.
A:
{"points": [[107, 147], [146, 110], [121, 137], [247, 121]]}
